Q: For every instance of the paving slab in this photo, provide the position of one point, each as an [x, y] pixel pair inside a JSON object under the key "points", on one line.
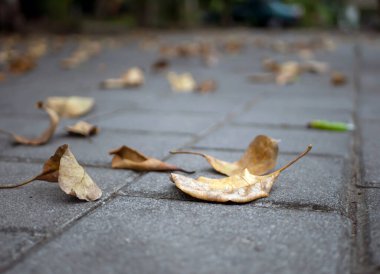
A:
{"points": [[160, 236], [315, 182], [292, 140], [289, 116], [12, 244], [161, 121], [43, 206], [370, 151], [373, 204]]}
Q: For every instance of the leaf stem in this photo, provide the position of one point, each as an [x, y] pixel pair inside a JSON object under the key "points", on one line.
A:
{"points": [[186, 152], [309, 147], [18, 185]]}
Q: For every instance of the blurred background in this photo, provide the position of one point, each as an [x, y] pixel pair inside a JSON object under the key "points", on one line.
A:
{"points": [[105, 16]]}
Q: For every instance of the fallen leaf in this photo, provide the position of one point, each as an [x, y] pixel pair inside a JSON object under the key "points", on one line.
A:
{"points": [[2, 77], [338, 78], [63, 168], [70, 107], [21, 64], [270, 65], [83, 128], [160, 65], [259, 158], [288, 72], [242, 187], [128, 158], [133, 77], [45, 136], [181, 82], [313, 66], [206, 86], [84, 52]]}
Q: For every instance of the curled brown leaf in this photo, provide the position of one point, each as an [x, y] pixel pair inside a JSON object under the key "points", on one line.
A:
{"points": [[128, 158]]}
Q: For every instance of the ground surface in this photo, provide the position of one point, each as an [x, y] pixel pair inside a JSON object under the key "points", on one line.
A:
{"points": [[322, 215]]}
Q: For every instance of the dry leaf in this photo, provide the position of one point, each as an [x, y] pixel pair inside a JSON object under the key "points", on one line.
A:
{"points": [[63, 168], [270, 65], [2, 77], [242, 187], [288, 72], [128, 158], [181, 82], [84, 52], [45, 136], [133, 77], [70, 107], [313, 66], [338, 79], [206, 86], [160, 65], [259, 158], [21, 64], [83, 128]]}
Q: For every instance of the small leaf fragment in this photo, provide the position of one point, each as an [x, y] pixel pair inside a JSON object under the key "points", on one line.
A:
{"points": [[63, 168], [70, 107], [160, 65], [83, 128], [128, 158], [181, 82], [45, 136], [242, 187], [338, 78], [206, 86], [259, 158], [133, 77]]}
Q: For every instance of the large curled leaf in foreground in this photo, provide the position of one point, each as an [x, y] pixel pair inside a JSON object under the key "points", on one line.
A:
{"points": [[63, 168], [242, 187], [128, 158], [259, 158], [70, 107], [45, 136]]}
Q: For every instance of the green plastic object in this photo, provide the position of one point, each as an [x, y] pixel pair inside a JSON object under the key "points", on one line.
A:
{"points": [[329, 125]]}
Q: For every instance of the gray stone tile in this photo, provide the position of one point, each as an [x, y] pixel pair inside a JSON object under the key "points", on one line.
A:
{"points": [[294, 141], [289, 116], [313, 182], [160, 121], [95, 150], [369, 105], [371, 151], [160, 236], [373, 203], [43, 206], [12, 244]]}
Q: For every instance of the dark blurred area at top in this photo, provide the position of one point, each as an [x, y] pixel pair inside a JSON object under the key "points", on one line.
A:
{"points": [[108, 16]]}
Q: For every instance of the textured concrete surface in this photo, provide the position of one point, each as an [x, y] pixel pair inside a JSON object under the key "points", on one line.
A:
{"points": [[322, 215]]}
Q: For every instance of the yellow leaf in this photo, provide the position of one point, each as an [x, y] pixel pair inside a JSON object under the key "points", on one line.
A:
{"points": [[181, 82], [70, 107], [242, 187], [128, 158], [259, 158]]}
